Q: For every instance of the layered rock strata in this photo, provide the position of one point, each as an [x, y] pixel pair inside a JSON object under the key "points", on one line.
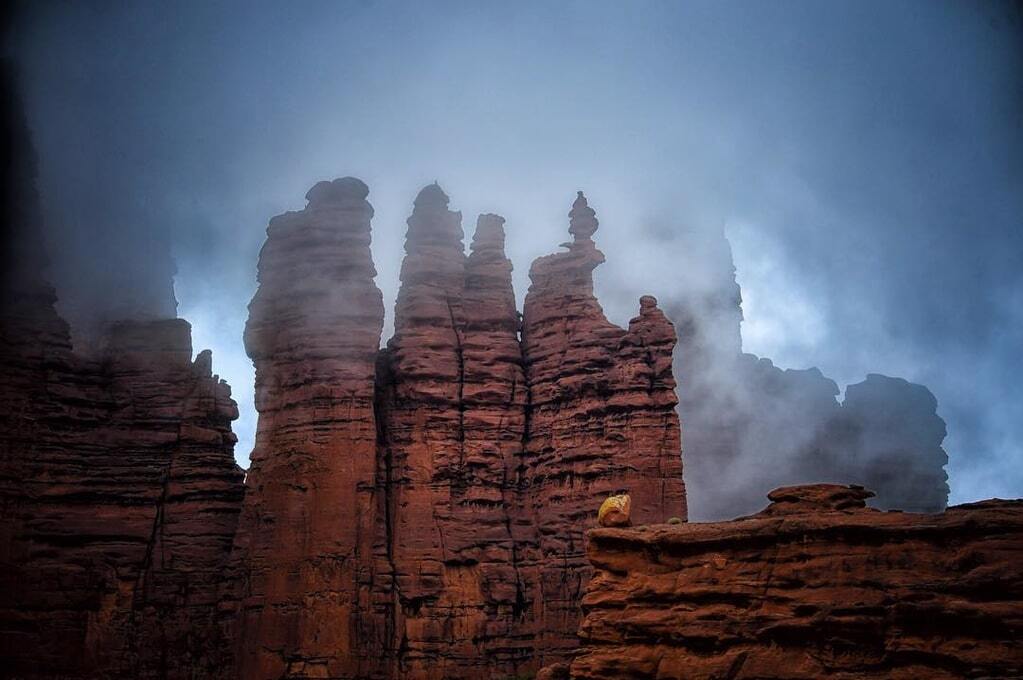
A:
{"points": [[452, 408], [454, 532], [307, 537], [602, 421], [120, 499], [816, 585], [119, 493]]}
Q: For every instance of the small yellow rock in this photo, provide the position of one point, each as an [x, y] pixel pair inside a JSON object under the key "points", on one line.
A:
{"points": [[614, 511]]}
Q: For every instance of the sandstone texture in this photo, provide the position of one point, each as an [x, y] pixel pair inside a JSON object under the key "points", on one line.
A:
{"points": [[306, 538], [602, 421], [452, 408], [120, 496], [419, 511], [816, 585], [119, 492]]}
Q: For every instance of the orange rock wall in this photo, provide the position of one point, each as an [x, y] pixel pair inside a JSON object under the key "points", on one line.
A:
{"points": [[814, 586], [119, 498], [306, 543], [419, 511]]}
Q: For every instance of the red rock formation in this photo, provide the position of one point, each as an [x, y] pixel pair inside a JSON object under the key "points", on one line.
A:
{"points": [[454, 536], [424, 443], [817, 585], [119, 492], [602, 421], [120, 499], [307, 534], [411, 512], [495, 399], [452, 408]]}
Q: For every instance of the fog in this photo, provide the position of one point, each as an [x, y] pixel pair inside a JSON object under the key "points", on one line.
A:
{"points": [[863, 158]]}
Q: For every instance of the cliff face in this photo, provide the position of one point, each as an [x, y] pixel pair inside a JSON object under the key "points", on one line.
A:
{"points": [[452, 408], [446, 541], [119, 493], [816, 585], [119, 502], [420, 511], [601, 420], [306, 539]]}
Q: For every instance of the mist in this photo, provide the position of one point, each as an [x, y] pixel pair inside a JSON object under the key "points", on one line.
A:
{"points": [[863, 159]]}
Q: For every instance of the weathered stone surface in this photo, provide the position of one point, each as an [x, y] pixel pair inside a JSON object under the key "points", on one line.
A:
{"points": [[452, 406], [306, 539], [447, 531], [602, 421], [119, 492], [816, 585], [120, 497]]}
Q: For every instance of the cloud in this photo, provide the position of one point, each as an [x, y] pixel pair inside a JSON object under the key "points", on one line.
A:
{"points": [[864, 156]]}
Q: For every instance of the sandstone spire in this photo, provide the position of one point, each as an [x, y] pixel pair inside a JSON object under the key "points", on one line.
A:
{"points": [[306, 534], [451, 399], [602, 420]]}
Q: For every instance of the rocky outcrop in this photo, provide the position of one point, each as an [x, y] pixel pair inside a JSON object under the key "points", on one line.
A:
{"points": [[452, 410], [119, 492], [602, 421], [307, 537], [891, 438], [751, 426], [120, 500], [816, 585], [418, 511]]}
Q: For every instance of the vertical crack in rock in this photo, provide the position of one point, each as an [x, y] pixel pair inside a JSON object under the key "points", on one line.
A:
{"points": [[307, 533], [602, 421]]}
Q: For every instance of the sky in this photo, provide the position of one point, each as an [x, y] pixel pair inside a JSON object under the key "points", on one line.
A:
{"points": [[865, 160]]}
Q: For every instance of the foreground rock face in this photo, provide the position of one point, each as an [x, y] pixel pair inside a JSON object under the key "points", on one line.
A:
{"points": [[419, 512], [816, 585], [306, 540]]}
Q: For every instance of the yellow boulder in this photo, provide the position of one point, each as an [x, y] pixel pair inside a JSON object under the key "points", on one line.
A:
{"points": [[615, 511]]}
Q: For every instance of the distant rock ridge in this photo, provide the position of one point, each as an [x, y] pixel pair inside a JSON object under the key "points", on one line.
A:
{"points": [[751, 426], [456, 531]]}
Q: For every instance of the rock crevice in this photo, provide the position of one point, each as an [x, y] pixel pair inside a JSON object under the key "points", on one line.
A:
{"points": [[479, 493]]}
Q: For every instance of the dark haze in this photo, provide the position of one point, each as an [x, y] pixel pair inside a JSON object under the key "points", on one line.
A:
{"points": [[863, 158]]}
